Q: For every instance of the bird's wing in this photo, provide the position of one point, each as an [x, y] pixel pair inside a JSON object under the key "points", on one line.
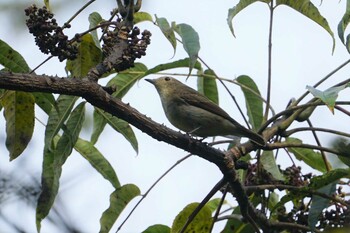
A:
{"points": [[201, 101]]}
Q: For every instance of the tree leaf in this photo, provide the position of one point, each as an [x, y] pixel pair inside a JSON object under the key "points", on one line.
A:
{"points": [[268, 161], [308, 9], [54, 158], [207, 86], [89, 55], [97, 160], [11, 59], [57, 117], [308, 156], [120, 126], [318, 204], [141, 17], [19, 116], [158, 228], [167, 31], [171, 65], [317, 182], [190, 41], [45, 101], [344, 22], [328, 96], [342, 145], [253, 101], [213, 204], [95, 19], [125, 80], [232, 12], [117, 202], [200, 224]]}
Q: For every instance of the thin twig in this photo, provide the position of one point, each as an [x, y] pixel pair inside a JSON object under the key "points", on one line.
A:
{"points": [[150, 189], [212, 192], [269, 68], [324, 158], [217, 212]]}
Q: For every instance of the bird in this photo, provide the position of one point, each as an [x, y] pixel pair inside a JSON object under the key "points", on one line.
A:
{"points": [[193, 113]]}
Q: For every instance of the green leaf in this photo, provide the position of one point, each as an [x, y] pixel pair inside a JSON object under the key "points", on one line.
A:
{"points": [[57, 117], [70, 135], [253, 101], [308, 156], [97, 160], [49, 187], [19, 116], [94, 20], [308, 9], [125, 80], [328, 96], [172, 65], [317, 182], [117, 202], [344, 22], [47, 4], [213, 204], [232, 12], [54, 158], [190, 41], [141, 17], [99, 123], [158, 228], [318, 204], [12, 60], [45, 101], [207, 86], [268, 161], [167, 31], [89, 55], [200, 224], [342, 145], [119, 125]]}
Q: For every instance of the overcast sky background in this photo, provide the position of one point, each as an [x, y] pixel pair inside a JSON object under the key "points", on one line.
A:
{"points": [[302, 54]]}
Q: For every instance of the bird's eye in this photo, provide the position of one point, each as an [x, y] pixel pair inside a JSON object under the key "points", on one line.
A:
{"points": [[167, 79]]}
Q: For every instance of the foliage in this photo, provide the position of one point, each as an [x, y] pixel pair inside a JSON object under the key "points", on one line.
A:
{"points": [[263, 189]]}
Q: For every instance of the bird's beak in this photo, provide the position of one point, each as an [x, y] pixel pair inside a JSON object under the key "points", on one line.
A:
{"points": [[150, 80]]}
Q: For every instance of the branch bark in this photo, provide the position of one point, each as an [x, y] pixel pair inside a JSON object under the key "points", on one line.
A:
{"points": [[98, 97]]}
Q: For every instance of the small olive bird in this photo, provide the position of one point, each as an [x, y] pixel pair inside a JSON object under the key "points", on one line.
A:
{"points": [[192, 112]]}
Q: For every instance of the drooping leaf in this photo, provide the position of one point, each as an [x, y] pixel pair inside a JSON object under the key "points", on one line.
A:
{"points": [[54, 158], [308, 156], [125, 80], [242, 4], [167, 31], [49, 187], [141, 17], [317, 182], [57, 117], [171, 65], [97, 160], [200, 224], [19, 116], [94, 20], [342, 145], [11, 59], [308, 9], [254, 103], [45, 101], [158, 228], [344, 22], [268, 161], [117, 202], [318, 204], [120, 126], [328, 96], [190, 41], [207, 86], [89, 55]]}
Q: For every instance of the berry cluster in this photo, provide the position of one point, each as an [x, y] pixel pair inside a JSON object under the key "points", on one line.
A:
{"points": [[135, 46], [48, 35]]}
